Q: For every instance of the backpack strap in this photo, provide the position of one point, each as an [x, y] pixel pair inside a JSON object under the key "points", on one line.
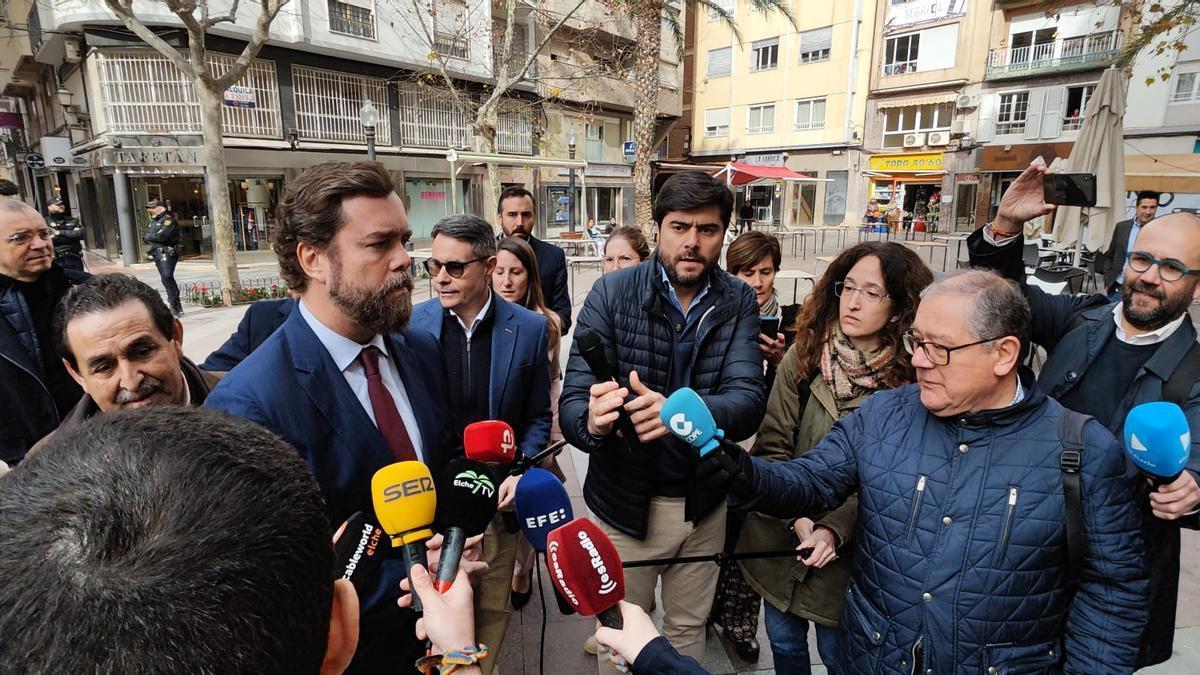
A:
{"points": [[1070, 435], [1179, 384]]}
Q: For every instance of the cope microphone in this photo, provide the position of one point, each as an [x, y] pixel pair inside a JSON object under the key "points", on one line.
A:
{"points": [[687, 417], [591, 348], [405, 504], [466, 502], [586, 570], [359, 547], [542, 504], [1158, 440]]}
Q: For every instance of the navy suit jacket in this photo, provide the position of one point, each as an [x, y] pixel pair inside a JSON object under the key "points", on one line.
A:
{"points": [[520, 372], [552, 267], [291, 386], [257, 324]]}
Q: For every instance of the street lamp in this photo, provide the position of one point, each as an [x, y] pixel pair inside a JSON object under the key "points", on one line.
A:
{"points": [[571, 188], [64, 97], [369, 117]]}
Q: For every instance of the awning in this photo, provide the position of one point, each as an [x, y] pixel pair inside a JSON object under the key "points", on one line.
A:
{"points": [[1163, 173], [923, 100], [738, 173]]}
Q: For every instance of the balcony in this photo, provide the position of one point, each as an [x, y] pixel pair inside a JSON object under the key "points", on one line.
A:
{"points": [[1085, 52]]}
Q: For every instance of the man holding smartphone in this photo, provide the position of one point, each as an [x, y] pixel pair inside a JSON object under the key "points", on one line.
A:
{"points": [[1104, 358]]}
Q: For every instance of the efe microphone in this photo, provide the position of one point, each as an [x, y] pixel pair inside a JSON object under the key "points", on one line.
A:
{"points": [[466, 503], [591, 348], [542, 505], [586, 570], [1158, 440], [405, 504]]}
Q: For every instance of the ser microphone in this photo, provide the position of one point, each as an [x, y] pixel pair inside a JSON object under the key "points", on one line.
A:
{"points": [[405, 504], [586, 570], [1158, 440], [543, 504], [359, 547], [591, 348], [688, 418], [466, 502]]}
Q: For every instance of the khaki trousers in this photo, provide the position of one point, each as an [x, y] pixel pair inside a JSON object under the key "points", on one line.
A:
{"points": [[492, 608], [687, 590]]}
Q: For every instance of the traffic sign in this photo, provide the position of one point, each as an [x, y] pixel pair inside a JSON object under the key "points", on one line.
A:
{"points": [[35, 161], [629, 150]]}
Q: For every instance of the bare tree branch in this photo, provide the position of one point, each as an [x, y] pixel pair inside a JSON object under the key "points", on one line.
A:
{"points": [[262, 30], [124, 11], [228, 17]]}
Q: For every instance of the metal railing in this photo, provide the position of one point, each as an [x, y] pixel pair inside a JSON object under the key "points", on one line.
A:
{"points": [[351, 20], [429, 119], [514, 133], [1073, 123], [328, 104], [900, 67], [1095, 50], [451, 45]]}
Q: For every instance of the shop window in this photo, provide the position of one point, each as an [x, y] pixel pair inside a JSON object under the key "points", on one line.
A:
{"points": [[900, 54], [764, 55], [1014, 108], [716, 123], [835, 197], [1077, 102], [761, 119], [810, 113], [899, 122]]}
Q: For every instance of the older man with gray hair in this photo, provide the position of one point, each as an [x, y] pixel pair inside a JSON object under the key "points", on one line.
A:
{"points": [[962, 547]]}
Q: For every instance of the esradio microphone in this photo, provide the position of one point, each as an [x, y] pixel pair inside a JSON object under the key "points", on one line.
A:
{"points": [[542, 504], [586, 570], [359, 547], [688, 418], [1158, 440], [405, 504], [491, 442], [466, 503], [591, 348]]}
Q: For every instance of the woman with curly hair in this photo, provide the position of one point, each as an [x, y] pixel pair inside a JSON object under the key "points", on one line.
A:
{"points": [[847, 346]]}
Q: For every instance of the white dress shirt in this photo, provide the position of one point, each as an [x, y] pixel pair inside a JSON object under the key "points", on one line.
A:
{"points": [[345, 351], [1153, 337]]}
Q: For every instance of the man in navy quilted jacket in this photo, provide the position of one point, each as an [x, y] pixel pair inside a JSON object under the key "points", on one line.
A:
{"points": [[961, 548]]}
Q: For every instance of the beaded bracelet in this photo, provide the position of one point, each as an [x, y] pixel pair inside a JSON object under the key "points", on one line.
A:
{"points": [[449, 662]]}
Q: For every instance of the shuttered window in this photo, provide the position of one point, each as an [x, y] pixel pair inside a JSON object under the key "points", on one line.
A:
{"points": [[719, 61], [816, 45]]}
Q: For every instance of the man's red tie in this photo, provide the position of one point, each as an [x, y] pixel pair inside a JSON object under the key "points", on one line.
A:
{"points": [[387, 417]]}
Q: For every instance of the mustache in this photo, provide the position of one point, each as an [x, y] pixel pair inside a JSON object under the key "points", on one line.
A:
{"points": [[1140, 286], [402, 280], [150, 385], [691, 257]]}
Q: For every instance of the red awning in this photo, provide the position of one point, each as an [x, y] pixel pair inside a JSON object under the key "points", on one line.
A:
{"points": [[749, 173]]}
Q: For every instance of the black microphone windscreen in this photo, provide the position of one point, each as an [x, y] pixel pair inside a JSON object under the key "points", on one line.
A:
{"points": [[359, 547], [591, 348], [466, 492]]}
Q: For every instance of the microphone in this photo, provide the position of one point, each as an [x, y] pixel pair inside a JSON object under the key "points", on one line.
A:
{"points": [[586, 570], [359, 547], [687, 417], [490, 441], [591, 348], [405, 503], [542, 504], [466, 503], [1158, 440]]}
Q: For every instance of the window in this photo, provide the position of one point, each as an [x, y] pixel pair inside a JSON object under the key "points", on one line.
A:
{"points": [[1013, 110], [810, 113], [716, 123], [327, 104], [719, 61], [764, 55], [520, 49], [1032, 46], [451, 45], [1186, 88], [899, 122], [352, 18], [900, 54], [816, 45], [594, 133], [761, 119], [1077, 102], [727, 5]]}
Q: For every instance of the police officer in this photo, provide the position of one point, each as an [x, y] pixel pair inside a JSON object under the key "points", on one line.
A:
{"points": [[163, 237], [68, 235]]}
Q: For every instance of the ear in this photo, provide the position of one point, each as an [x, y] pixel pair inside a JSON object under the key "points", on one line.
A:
{"points": [[491, 266], [73, 373], [343, 629], [1007, 354], [313, 261], [177, 338]]}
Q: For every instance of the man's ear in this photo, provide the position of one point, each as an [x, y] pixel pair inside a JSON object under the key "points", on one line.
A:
{"points": [[177, 338], [73, 373], [1007, 351], [313, 261], [343, 629]]}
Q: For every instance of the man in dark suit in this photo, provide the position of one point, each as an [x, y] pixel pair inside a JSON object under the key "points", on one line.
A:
{"points": [[1123, 235], [517, 213], [341, 379], [257, 324]]}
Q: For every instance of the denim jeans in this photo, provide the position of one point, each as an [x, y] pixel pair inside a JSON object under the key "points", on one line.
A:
{"points": [[789, 643]]}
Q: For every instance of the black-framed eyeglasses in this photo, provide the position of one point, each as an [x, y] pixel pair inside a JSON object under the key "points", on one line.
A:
{"points": [[454, 268], [23, 238], [869, 295], [1168, 270], [938, 355]]}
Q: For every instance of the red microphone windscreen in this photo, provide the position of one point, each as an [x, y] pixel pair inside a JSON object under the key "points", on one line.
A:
{"points": [[585, 567], [490, 441]]}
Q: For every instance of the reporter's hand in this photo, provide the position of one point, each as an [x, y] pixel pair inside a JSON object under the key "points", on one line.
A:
{"points": [[606, 398], [644, 410], [728, 468], [1176, 499], [772, 348], [1023, 201], [626, 644], [472, 555], [449, 618], [508, 491], [821, 540]]}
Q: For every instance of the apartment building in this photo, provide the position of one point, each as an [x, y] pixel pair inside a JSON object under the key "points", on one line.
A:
{"points": [[786, 97]]}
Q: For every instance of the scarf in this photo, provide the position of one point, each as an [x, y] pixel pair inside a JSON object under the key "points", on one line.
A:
{"points": [[851, 373], [772, 306]]}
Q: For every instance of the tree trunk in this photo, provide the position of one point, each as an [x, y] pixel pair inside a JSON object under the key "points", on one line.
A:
{"points": [[217, 189], [485, 132], [648, 29]]}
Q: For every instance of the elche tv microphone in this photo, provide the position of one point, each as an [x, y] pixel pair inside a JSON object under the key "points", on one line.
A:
{"points": [[586, 570], [542, 504], [466, 501], [490, 441], [1158, 440], [591, 348], [687, 417], [405, 504], [359, 547]]}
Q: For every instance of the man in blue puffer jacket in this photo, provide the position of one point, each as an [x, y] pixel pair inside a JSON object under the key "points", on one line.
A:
{"points": [[962, 563]]}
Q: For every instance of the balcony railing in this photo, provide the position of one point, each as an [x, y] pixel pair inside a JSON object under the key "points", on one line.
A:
{"points": [[900, 67], [1073, 123], [328, 104], [1075, 53], [514, 133], [430, 119], [451, 45]]}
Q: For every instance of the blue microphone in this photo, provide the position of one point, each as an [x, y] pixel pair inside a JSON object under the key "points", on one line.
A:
{"points": [[542, 505], [1158, 440], [688, 418]]}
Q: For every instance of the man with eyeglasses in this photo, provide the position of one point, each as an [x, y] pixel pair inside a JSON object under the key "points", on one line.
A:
{"points": [[1105, 357], [960, 560], [496, 368], [35, 389]]}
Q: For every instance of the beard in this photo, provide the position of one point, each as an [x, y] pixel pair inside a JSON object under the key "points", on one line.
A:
{"points": [[373, 309], [1170, 307], [685, 280], [518, 232], [148, 386]]}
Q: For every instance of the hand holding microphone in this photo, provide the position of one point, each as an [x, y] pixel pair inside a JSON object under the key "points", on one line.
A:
{"points": [[627, 643], [606, 407], [405, 504], [586, 570], [449, 618], [1159, 442], [723, 466]]}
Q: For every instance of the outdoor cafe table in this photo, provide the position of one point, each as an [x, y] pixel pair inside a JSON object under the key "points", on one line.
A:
{"points": [[796, 276]]}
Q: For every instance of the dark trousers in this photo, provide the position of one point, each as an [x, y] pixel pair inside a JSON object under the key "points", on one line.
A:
{"points": [[165, 262]]}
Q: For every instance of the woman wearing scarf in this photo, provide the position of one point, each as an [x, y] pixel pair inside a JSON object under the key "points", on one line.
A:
{"points": [[847, 346]]}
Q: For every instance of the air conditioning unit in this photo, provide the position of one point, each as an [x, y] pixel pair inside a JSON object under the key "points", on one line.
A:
{"points": [[914, 140], [965, 101], [958, 127], [71, 51], [938, 138]]}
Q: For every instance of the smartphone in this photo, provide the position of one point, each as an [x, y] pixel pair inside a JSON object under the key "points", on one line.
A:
{"points": [[768, 325], [1069, 189]]}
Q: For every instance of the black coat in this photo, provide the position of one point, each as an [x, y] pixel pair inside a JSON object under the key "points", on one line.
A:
{"points": [[1115, 256], [257, 324], [630, 315], [552, 268], [68, 238]]}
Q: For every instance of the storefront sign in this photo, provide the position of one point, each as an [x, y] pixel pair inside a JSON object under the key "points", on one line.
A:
{"points": [[603, 171], [56, 150], [241, 96], [433, 195], [774, 159], [962, 178], [922, 11], [1017, 157], [151, 157], [914, 162]]}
